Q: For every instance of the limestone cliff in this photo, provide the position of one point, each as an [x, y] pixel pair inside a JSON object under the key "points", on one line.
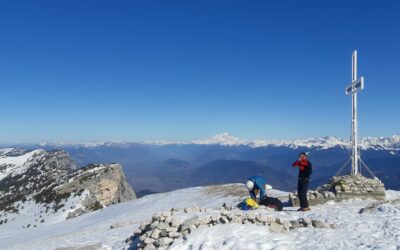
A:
{"points": [[106, 183], [39, 182]]}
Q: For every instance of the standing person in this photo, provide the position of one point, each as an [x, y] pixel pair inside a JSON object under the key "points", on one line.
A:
{"points": [[305, 170]]}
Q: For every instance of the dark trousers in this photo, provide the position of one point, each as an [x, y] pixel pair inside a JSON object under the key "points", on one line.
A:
{"points": [[302, 188]]}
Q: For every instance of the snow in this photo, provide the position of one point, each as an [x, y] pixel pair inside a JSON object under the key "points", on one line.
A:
{"points": [[4, 151], [226, 139], [377, 229], [17, 164], [232, 236], [222, 139], [392, 195]]}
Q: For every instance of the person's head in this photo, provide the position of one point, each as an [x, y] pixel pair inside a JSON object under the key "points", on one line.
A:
{"points": [[250, 185], [303, 156]]}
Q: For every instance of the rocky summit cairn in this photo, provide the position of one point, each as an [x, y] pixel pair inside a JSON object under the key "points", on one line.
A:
{"points": [[163, 229], [344, 187]]}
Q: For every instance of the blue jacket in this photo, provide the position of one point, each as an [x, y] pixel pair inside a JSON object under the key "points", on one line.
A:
{"points": [[259, 183]]}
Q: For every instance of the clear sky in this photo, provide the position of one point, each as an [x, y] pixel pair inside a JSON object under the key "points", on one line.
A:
{"points": [[179, 70]]}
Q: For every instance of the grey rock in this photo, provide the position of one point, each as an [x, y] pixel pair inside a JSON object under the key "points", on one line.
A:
{"points": [[333, 226], [162, 226], [286, 225], [236, 219], [156, 233], [224, 220], [276, 228], [251, 217], [294, 224], [306, 222], [149, 241], [76, 213], [189, 223], [175, 222], [154, 224], [174, 235], [171, 229], [318, 224], [164, 233], [149, 247], [215, 217]]}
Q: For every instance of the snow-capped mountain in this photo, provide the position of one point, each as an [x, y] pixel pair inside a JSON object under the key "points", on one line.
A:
{"points": [[387, 143], [226, 139], [161, 166], [223, 139]]}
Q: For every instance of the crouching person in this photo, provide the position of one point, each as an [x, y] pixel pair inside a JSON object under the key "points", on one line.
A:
{"points": [[257, 185]]}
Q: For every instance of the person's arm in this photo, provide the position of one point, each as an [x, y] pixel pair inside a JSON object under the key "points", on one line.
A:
{"points": [[309, 169], [262, 193], [296, 163], [252, 194]]}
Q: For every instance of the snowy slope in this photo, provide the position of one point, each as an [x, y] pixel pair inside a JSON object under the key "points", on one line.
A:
{"points": [[15, 165], [108, 228]]}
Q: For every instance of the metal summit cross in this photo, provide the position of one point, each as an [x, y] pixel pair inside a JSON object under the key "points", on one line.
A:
{"points": [[355, 86]]}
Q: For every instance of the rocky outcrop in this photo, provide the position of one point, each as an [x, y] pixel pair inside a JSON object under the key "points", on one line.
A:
{"points": [[344, 187], [51, 181], [106, 183]]}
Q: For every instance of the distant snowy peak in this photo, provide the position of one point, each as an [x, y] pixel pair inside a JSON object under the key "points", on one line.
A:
{"points": [[385, 143], [222, 139], [226, 139]]}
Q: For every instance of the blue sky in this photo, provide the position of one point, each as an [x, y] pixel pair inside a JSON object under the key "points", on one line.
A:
{"points": [[181, 70]]}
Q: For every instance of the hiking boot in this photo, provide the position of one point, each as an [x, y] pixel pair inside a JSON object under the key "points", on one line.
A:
{"points": [[304, 209]]}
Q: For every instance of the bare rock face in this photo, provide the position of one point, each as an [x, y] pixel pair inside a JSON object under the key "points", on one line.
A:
{"points": [[52, 182], [106, 183]]}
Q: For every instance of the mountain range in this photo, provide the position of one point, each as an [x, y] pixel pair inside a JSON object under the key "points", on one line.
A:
{"points": [[226, 139], [54, 197], [158, 166]]}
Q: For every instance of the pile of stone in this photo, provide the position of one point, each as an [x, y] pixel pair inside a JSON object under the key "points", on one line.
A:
{"points": [[161, 231], [344, 187], [371, 208], [314, 197]]}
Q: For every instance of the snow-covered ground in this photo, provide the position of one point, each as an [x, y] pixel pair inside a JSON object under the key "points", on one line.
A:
{"points": [[377, 228]]}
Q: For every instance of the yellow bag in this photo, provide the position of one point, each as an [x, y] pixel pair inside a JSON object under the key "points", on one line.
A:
{"points": [[251, 203]]}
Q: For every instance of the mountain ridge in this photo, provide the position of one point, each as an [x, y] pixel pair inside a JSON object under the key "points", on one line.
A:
{"points": [[39, 183], [226, 139]]}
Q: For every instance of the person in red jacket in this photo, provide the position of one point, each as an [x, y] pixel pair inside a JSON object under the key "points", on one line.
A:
{"points": [[305, 170]]}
